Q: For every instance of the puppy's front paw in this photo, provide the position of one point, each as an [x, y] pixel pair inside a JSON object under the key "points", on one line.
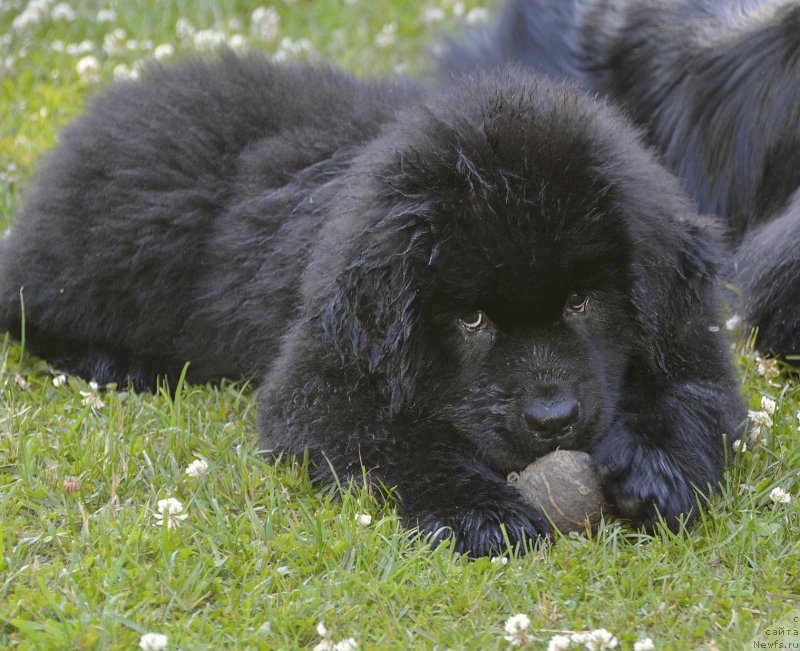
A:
{"points": [[644, 481], [488, 529]]}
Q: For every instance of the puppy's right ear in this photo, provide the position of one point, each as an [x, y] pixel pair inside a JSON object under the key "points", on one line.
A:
{"points": [[373, 316], [675, 290]]}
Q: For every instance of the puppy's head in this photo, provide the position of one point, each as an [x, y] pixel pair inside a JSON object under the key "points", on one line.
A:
{"points": [[515, 258]]}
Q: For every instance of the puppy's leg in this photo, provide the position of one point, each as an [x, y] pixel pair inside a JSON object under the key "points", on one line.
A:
{"points": [[440, 488], [95, 361], [665, 457], [767, 269], [107, 366], [446, 493], [431, 471]]}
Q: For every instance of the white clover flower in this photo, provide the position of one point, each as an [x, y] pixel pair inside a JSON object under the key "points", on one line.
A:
{"points": [[581, 638], [760, 419], [600, 640], [364, 519], [387, 36], [326, 644], [92, 396], [197, 468], [732, 325], [644, 645], [283, 570], [208, 39], [184, 28], [768, 405], [153, 642], [170, 505], [164, 51], [76, 49], [31, 16], [115, 43], [780, 496], [517, 623], [122, 72], [106, 16], [289, 49], [265, 23], [170, 511], [59, 380], [559, 643], [740, 446], [348, 644], [432, 15], [767, 368], [237, 43], [477, 15], [500, 560], [515, 626], [457, 7], [63, 13]]}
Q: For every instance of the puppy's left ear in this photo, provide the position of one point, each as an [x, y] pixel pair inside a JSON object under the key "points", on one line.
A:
{"points": [[676, 290], [374, 315]]}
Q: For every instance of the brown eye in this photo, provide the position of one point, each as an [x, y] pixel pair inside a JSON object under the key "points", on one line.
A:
{"points": [[474, 321], [576, 303]]}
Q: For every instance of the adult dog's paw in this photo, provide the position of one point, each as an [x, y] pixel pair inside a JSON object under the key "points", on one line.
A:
{"points": [[492, 529], [644, 481]]}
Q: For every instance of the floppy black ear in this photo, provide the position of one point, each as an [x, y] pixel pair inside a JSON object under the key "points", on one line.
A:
{"points": [[676, 292], [374, 314]]}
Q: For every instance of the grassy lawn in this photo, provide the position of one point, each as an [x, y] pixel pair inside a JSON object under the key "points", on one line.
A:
{"points": [[260, 558]]}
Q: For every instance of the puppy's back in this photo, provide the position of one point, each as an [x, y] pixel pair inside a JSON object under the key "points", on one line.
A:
{"points": [[118, 242]]}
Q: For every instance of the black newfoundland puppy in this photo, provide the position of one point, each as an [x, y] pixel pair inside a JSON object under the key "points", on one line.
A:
{"points": [[434, 287], [716, 86]]}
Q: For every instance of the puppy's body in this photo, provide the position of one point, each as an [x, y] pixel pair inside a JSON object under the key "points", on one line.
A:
{"points": [[157, 232], [435, 287], [716, 86]]}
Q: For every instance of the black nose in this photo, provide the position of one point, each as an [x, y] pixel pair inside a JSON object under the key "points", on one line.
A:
{"points": [[551, 416]]}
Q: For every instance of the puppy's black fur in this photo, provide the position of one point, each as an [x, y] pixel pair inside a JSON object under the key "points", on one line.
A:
{"points": [[716, 86], [434, 287]]}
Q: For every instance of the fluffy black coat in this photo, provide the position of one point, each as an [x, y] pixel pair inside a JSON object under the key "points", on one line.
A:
{"points": [[716, 86], [434, 287]]}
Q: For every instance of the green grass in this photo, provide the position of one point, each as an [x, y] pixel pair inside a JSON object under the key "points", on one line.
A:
{"points": [[262, 557]]}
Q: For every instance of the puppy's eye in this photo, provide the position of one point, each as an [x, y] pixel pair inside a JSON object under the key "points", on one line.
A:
{"points": [[474, 321], [576, 303]]}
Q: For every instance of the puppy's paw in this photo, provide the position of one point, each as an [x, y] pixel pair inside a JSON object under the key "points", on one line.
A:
{"points": [[644, 481], [490, 529]]}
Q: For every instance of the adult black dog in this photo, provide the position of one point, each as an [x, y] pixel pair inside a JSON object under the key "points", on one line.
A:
{"points": [[436, 287], [716, 86]]}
